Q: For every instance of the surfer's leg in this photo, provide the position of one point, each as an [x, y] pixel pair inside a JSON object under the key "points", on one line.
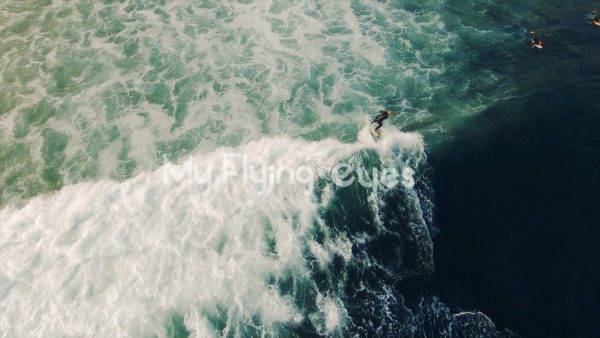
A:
{"points": [[379, 124]]}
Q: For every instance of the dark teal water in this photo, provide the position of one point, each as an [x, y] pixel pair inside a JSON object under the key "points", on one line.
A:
{"points": [[517, 189]]}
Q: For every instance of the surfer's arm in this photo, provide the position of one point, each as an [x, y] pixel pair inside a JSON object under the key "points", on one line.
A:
{"points": [[382, 115]]}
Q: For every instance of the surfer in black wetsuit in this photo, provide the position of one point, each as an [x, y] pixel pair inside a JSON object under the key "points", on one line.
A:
{"points": [[535, 40], [382, 116], [595, 18]]}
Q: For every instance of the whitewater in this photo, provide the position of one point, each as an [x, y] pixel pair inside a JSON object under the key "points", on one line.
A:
{"points": [[117, 259], [100, 101]]}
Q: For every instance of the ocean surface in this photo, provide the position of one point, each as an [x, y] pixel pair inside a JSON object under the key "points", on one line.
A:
{"points": [[168, 169]]}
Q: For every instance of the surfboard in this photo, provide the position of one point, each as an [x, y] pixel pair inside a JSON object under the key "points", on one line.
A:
{"points": [[375, 133], [536, 46]]}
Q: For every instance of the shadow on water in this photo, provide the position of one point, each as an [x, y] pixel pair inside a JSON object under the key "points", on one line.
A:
{"points": [[517, 193]]}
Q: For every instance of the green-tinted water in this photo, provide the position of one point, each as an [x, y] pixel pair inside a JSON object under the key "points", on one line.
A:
{"points": [[110, 89]]}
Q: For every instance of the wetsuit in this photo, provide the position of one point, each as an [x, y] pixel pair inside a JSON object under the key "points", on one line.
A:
{"points": [[535, 39], [379, 118]]}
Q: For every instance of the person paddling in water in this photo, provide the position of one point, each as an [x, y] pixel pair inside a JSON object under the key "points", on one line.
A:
{"points": [[595, 19], [535, 40], [381, 117]]}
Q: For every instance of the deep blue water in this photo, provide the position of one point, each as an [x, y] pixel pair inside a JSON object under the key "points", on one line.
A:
{"points": [[517, 191]]}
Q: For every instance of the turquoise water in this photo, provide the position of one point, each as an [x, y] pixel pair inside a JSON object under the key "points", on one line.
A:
{"points": [[109, 90], [111, 112]]}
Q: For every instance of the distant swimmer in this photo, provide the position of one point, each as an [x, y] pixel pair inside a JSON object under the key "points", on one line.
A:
{"points": [[536, 41], [381, 117], [595, 19]]}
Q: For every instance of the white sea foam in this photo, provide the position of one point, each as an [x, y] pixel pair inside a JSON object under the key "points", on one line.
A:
{"points": [[331, 315], [112, 259], [268, 67]]}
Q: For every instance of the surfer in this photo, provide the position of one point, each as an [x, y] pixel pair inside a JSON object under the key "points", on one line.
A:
{"points": [[381, 117], [595, 19], [536, 42]]}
